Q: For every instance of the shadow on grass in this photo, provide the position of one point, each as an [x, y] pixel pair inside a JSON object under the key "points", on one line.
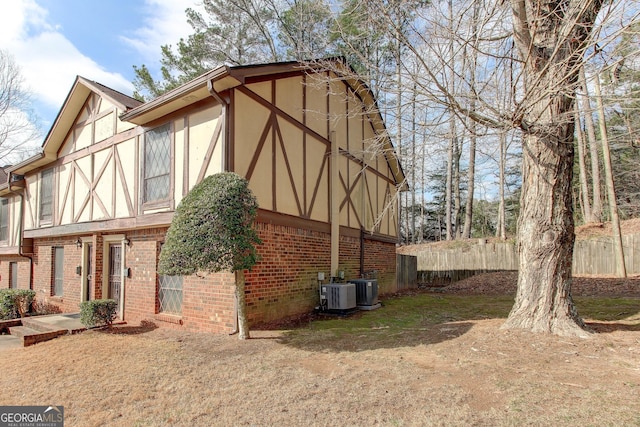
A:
{"points": [[607, 328], [402, 321], [363, 340], [144, 327], [420, 318]]}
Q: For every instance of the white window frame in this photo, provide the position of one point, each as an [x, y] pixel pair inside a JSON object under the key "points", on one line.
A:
{"points": [[160, 202], [4, 221], [57, 276], [48, 219]]}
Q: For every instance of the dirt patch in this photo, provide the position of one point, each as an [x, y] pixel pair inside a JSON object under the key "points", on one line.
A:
{"points": [[583, 232], [451, 373], [589, 231], [505, 283]]}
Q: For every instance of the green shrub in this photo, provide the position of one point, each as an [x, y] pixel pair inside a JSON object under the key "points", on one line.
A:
{"points": [[99, 312], [15, 303], [212, 229]]}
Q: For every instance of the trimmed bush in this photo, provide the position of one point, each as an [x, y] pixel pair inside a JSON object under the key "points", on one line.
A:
{"points": [[212, 229], [99, 312], [15, 303]]}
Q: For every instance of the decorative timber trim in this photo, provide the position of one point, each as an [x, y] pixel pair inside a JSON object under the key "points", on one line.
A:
{"points": [[162, 219], [280, 219]]}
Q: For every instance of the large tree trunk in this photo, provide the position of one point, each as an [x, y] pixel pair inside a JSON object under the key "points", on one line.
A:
{"points": [[243, 325], [551, 38], [545, 237], [618, 250]]}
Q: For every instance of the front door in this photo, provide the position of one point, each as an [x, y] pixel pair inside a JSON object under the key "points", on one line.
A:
{"points": [[115, 273]]}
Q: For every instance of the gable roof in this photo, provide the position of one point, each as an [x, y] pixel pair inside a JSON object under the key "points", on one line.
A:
{"points": [[224, 77], [71, 107], [204, 86]]}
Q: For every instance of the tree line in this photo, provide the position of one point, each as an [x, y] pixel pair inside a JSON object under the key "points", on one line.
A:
{"points": [[513, 116], [472, 92], [449, 85]]}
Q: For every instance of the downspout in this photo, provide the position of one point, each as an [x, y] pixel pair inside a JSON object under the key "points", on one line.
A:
{"points": [[362, 252], [335, 206], [225, 140], [20, 230]]}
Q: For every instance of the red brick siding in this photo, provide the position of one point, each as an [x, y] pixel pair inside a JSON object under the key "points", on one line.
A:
{"points": [[43, 273], [208, 303], [24, 271], [283, 283], [381, 258]]}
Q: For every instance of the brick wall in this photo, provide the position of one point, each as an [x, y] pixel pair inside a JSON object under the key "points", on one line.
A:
{"points": [[380, 258], [43, 281], [24, 272], [208, 303], [283, 283]]}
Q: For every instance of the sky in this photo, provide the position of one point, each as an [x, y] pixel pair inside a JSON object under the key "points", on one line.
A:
{"points": [[53, 41]]}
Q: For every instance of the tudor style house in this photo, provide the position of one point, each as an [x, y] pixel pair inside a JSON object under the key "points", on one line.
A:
{"points": [[86, 218]]}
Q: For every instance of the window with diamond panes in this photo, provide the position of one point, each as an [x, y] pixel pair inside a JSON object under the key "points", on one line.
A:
{"points": [[46, 195], [170, 294], [157, 164]]}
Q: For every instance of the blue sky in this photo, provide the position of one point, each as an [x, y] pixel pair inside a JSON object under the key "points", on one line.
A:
{"points": [[53, 41]]}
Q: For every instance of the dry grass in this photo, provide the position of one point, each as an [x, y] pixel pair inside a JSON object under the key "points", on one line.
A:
{"points": [[421, 360]]}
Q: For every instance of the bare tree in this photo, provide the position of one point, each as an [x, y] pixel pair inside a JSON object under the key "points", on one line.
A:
{"points": [[471, 58], [585, 203], [587, 114], [552, 39], [621, 270], [18, 129]]}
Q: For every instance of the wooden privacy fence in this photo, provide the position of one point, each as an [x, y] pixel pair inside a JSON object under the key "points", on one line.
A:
{"points": [[406, 271], [596, 256], [593, 256]]}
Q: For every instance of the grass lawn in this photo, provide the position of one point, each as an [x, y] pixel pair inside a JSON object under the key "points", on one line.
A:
{"points": [[423, 359]]}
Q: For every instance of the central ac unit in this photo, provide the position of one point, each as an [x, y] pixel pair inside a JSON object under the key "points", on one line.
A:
{"points": [[338, 296], [366, 291]]}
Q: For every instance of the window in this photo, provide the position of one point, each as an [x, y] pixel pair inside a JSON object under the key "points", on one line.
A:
{"points": [[4, 220], [46, 195], [157, 164], [170, 294], [13, 275], [58, 271]]}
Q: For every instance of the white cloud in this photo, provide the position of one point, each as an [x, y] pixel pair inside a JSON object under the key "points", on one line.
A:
{"points": [[165, 22], [49, 62]]}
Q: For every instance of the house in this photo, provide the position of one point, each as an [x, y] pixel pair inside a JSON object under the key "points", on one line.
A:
{"points": [[86, 218]]}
